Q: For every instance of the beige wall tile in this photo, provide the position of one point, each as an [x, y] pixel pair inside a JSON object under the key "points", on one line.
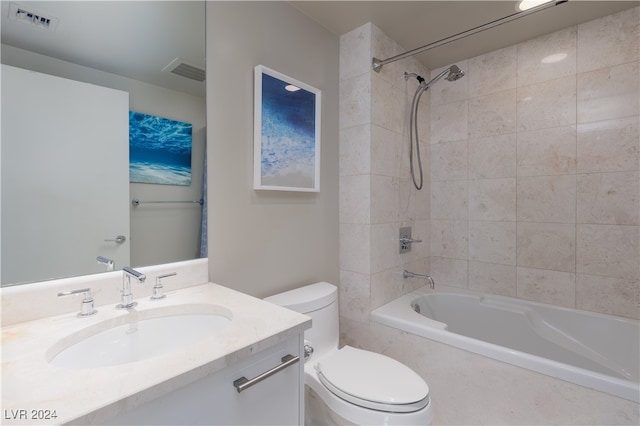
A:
{"points": [[492, 157], [384, 199], [355, 199], [608, 250], [387, 104], [540, 285], [355, 154], [385, 147], [608, 41], [355, 101], [449, 160], [355, 248], [609, 198], [609, 146], [449, 271], [609, 93], [612, 296], [449, 200], [493, 242], [385, 247], [492, 199], [548, 57], [354, 333], [492, 72], [547, 199], [547, 151], [493, 114], [449, 91], [492, 278], [548, 104], [449, 238], [546, 246], [383, 46], [355, 52], [354, 302], [449, 122]]}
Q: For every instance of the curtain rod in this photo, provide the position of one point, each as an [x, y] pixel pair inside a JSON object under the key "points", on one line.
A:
{"points": [[136, 202], [377, 64]]}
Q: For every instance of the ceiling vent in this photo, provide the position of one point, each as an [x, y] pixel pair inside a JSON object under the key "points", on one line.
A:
{"points": [[30, 17], [184, 69]]}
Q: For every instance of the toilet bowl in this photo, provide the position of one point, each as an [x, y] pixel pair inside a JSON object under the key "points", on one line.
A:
{"points": [[350, 385]]}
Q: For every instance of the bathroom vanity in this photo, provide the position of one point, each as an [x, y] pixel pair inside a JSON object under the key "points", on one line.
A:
{"points": [[209, 380]]}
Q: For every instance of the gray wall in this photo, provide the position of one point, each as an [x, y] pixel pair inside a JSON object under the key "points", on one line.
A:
{"points": [[263, 242]]}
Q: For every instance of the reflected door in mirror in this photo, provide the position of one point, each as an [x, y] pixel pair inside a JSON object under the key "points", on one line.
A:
{"points": [[47, 191]]}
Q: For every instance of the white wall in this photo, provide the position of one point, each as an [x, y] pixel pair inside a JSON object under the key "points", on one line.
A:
{"points": [[263, 242], [159, 234]]}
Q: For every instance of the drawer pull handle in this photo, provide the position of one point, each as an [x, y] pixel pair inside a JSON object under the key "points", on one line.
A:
{"points": [[243, 383]]}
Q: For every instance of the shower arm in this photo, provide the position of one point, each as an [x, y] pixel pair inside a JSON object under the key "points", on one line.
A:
{"points": [[377, 64]]}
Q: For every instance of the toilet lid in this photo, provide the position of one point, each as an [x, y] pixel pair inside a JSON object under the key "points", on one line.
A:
{"points": [[373, 381]]}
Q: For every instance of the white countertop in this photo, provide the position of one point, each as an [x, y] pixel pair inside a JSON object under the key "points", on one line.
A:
{"points": [[30, 383]]}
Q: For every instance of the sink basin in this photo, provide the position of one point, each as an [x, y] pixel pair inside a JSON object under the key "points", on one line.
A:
{"points": [[139, 336]]}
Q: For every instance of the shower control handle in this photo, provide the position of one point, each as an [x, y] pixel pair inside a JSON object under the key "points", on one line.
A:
{"points": [[407, 240]]}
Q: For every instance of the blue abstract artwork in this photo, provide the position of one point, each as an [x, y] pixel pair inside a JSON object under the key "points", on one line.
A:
{"points": [[288, 134], [159, 150]]}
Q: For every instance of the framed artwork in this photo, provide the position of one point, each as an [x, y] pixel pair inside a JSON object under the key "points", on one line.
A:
{"points": [[286, 133], [159, 150]]}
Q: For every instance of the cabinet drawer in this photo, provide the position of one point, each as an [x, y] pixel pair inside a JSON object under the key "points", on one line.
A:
{"points": [[214, 400]]}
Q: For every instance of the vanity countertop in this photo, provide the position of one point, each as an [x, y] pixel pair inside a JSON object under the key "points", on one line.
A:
{"points": [[32, 388]]}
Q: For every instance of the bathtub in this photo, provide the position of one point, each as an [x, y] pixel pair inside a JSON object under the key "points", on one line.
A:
{"points": [[601, 352]]}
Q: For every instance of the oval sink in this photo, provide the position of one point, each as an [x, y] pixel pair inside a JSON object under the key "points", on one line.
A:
{"points": [[139, 336]]}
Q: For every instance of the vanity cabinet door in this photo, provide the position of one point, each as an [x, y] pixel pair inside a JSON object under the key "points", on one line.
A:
{"points": [[214, 400]]}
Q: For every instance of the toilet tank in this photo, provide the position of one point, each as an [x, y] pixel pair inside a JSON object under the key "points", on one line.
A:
{"points": [[320, 302]]}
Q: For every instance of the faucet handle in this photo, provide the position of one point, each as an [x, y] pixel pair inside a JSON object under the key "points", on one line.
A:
{"points": [[86, 308], [157, 288]]}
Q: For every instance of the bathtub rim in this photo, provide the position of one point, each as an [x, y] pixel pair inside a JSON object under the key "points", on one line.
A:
{"points": [[399, 315]]}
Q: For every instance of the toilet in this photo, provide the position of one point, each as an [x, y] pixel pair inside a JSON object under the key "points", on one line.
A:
{"points": [[350, 385]]}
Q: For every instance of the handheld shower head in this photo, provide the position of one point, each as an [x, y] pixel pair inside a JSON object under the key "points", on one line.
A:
{"points": [[455, 73], [452, 73]]}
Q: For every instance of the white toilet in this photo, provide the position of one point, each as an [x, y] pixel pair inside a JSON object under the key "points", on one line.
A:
{"points": [[349, 385]]}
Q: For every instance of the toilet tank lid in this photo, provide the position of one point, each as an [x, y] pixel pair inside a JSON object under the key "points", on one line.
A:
{"points": [[306, 299]]}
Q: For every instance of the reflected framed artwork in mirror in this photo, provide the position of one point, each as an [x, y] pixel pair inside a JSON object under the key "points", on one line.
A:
{"points": [[159, 150], [286, 133]]}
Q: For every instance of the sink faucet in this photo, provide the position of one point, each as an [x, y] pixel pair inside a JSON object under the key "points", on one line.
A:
{"points": [[109, 263], [127, 296], [407, 274]]}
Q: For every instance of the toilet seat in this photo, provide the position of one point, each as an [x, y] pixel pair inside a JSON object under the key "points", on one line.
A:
{"points": [[373, 381]]}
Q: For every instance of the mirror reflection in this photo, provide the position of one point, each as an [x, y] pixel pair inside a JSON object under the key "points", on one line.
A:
{"points": [[71, 73]]}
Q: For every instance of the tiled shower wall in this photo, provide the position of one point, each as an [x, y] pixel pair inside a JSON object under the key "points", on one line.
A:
{"points": [[534, 170], [376, 194]]}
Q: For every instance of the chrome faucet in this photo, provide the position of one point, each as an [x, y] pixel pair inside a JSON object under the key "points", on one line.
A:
{"points": [[127, 296], [109, 263], [157, 289], [407, 274], [86, 308]]}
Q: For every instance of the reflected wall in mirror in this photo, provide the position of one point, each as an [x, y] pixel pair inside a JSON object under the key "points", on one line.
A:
{"points": [[129, 52]]}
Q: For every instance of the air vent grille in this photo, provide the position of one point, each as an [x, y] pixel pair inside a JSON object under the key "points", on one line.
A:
{"points": [[184, 69], [30, 17]]}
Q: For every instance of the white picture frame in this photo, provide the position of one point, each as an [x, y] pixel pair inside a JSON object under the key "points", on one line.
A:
{"points": [[286, 133]]}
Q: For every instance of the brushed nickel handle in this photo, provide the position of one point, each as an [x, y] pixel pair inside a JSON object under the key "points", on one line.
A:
{"points": [[243, 383], [119, 239]]}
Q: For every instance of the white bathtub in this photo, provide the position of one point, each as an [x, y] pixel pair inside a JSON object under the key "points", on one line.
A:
{"points": [[601, 352]]}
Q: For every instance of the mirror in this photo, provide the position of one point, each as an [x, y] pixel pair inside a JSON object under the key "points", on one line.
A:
{"points": [[154, 51]]}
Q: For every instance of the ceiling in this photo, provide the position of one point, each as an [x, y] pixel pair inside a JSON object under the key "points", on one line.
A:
{"points": [[137, 39], [413, 24]]}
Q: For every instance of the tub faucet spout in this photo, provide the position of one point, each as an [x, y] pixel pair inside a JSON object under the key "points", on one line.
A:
{"points": [[407, 274]]}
